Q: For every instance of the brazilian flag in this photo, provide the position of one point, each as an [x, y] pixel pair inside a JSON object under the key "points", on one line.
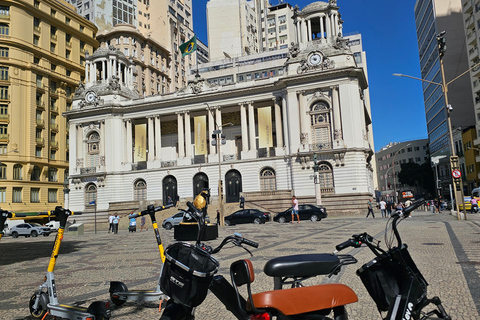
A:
{"points": [[189, 46]]}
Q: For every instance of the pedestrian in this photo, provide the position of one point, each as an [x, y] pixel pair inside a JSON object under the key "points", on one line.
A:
{"points": [[116, 219], [177, 200], [295, 210], [370, 208], [218, 217], [133, 224], [242, 202], [389, 208], [474, 207], [110, 222], [169, 200], [399, 206], [142, 224], [383, 208]]}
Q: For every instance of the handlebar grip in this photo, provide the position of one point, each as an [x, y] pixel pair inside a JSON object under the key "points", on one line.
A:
{"points": [[346, 244], [250, 243], [134, 215], [413, 206], [164, 207]]}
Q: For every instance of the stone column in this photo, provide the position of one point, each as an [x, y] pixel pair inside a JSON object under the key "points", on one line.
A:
{"points": [[129, 142], [337, 116], [335, 23], [278, 123], [151, 139], [251, 126], [328, 25], [322, 30], [299, 36], [158, 138], [218, 117], [188, 135], [243, 120], [181, 142], [211, 128], [304, 122], [304, 33], [309, 30]]}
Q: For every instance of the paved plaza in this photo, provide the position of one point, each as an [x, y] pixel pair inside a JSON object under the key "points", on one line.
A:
{"points": [[446, 251]]}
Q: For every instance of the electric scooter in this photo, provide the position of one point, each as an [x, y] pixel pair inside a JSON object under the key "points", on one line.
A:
{"points": [[119, 292], [4, 214], [45, 300]]}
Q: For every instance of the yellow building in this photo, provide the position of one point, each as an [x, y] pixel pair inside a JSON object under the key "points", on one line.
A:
{"points": [[472, 167], [42, 52]]}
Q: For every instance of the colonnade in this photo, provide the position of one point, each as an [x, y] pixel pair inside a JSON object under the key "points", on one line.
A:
{"points": [[328, 23], [103, 69]]}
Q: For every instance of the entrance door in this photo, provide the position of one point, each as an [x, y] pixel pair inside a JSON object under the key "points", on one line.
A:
{"points": [[200, 183], [169, 189], [233, 186]]}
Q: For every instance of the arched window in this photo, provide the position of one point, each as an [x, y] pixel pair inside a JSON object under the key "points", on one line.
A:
{"points": [[267, 179], [17, 172], [140, 190], [35, 176], [90, 194], [93, 150], [3, 171], [326, 177], [320, 118]]}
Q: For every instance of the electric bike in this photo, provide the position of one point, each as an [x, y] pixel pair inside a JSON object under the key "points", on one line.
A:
{"points": [[392, 280], [119, 292], [45, 300]]}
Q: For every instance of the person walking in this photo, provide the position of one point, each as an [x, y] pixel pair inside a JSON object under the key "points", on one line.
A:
{"points": [[116, 219], [383, 208], [133, 224], [169, 200], [110, 222], [177, 200], [218, 217], [142, 224], [370, 208], [295, 210], [389, 208]]}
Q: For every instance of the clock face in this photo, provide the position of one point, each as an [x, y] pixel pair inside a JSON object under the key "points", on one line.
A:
{"points": [[90, 96], [315, 59]]}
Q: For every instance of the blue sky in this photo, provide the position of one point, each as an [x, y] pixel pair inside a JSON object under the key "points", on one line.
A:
{"points": [[390, 42]]}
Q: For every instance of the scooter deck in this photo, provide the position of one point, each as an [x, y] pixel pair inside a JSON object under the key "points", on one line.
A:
{"points": [[66, 311], [140, 295]]}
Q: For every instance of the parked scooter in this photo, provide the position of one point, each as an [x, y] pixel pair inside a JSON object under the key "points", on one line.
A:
{"points": [[392, 280], [119, 292], [4, 214], [45, 300]]}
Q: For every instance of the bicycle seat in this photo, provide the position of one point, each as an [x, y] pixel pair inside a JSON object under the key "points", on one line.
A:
{"points": [[301, 265]]}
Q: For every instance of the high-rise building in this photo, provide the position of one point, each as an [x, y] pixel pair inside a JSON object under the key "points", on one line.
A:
{"points": [[164, 24], [43, 48], [433, 17]]}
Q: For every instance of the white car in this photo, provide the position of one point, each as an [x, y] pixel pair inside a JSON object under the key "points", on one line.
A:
{"points": [[53, 225], [29, 229]]}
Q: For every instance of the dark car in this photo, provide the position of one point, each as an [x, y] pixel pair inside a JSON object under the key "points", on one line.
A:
{"points": [[247, 216], [305, 211], [29, 229]]}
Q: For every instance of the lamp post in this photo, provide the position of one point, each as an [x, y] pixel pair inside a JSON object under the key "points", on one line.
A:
{"points": [[219, 139], [66, 191], [444, 85], [386, 180], [316, 179], [393, 166]]}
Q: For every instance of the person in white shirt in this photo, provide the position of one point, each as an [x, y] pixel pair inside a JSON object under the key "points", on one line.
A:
{"points": [[383, 208]]}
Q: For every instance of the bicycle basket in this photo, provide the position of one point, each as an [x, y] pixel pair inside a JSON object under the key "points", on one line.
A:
{"points": [[187, 273], [391, 274]]}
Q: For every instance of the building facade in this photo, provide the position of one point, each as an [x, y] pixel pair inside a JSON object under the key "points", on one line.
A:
{"points": [[389, 160], [471, 167], [129, 148], [433, 17], [43, 49]]}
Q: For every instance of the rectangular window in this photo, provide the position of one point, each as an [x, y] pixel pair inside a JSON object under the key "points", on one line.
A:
{"points": [[4, 29], [52, 195], [38, 151], [3, 194], [52, 47], [35, 195], [3, 171], [3, 73], [36, 40], [17, 195], [4, 52], [3, 111]]}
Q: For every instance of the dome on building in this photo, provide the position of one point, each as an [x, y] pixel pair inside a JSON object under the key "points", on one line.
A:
{"points": [[314, 7]]}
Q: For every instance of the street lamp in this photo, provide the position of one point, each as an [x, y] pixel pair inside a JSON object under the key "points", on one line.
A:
{"points": [[66, 191], [218, 138], [444, 85], [393, 166], [386, 181], [316, 179]]}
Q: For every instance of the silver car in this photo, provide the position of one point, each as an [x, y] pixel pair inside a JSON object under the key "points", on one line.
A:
{"points": [[29, 229], [174, 220]]}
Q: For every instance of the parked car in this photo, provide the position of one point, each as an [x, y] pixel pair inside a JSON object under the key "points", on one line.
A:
{"points": [[174, 220], [29, 229], [247, 216], [305, 211], [53, 225]]}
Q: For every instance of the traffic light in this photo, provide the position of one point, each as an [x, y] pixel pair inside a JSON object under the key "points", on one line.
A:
{"points": [[223, 138], [214, 139], [441, 43]]}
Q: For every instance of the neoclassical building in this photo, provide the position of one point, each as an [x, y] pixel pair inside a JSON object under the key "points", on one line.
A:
{"points": [[309, 103]]}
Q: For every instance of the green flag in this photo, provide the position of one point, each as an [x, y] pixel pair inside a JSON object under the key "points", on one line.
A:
{"points": [[189, 46]]}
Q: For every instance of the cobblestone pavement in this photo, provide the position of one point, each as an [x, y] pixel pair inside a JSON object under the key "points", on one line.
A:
{"points": [[445, 250]]}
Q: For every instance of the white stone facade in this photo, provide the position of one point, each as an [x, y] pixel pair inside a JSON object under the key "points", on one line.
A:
{"points": [[317, 107]]}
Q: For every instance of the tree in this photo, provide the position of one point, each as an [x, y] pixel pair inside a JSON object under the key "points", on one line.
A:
{"points": [[413, 174]]}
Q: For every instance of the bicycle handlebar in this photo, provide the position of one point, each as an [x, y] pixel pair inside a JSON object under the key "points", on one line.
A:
{"points": [[237, 240], [150, 209]]}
